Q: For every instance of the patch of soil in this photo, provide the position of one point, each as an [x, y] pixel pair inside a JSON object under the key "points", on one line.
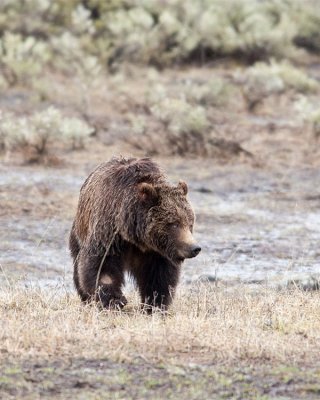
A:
{"points": [[92, 379], [254, 224]]}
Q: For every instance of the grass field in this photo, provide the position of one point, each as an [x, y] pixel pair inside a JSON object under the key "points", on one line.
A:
{"points": [[216, 342]]}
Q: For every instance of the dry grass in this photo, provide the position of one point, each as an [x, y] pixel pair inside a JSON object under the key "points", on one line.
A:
{"points": [[205, 324]]}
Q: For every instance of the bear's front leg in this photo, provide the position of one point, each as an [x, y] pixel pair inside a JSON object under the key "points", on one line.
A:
{"points": [[105, 288], [157, 282]]}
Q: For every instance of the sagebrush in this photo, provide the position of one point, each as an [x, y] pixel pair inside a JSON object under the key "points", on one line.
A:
{"points": [[154, 32]]}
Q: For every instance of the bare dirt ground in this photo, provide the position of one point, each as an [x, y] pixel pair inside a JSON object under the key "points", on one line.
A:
{"points": [[257, 220], [102, 379], [254, 223]]}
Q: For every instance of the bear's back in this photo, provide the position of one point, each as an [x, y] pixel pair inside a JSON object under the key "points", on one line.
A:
{"points": [[123, 173], [110, 191]]}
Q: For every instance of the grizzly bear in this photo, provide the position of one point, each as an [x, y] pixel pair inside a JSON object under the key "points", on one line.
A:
{"points": [[129, 218]]}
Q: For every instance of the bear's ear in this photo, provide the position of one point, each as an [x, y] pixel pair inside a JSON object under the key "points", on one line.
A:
{"points": [[148, 193], [183, 187]]}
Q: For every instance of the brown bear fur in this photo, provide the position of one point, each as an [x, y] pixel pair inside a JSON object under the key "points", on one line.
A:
{"points": [[129, 218]]}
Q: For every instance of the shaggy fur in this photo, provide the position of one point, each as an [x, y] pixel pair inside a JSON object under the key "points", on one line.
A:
{"points": [[128, 209]]}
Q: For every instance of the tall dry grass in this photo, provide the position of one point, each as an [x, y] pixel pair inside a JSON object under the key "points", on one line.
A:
{"points": [[205, 324]]}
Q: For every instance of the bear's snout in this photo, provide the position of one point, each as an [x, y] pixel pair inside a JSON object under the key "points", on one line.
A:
{"points": [[188, 247], [195, 250], [192, 251]]}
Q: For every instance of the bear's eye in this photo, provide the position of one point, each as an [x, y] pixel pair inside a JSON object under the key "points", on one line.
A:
{"points": [[174, 225]]}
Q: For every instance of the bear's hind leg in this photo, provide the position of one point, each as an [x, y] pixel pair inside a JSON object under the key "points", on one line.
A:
{"points": [[111, 280], [157, 282], [74, 250], [108, 291]]}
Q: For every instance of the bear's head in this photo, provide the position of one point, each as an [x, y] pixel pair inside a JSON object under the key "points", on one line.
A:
{"points": [[168, 221]]}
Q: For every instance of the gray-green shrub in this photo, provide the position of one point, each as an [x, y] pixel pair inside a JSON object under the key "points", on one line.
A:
{"points": [[37, 134], [153, 31]]}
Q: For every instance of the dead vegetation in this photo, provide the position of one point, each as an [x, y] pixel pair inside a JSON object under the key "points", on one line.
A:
{"points": [[206, 324]]}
